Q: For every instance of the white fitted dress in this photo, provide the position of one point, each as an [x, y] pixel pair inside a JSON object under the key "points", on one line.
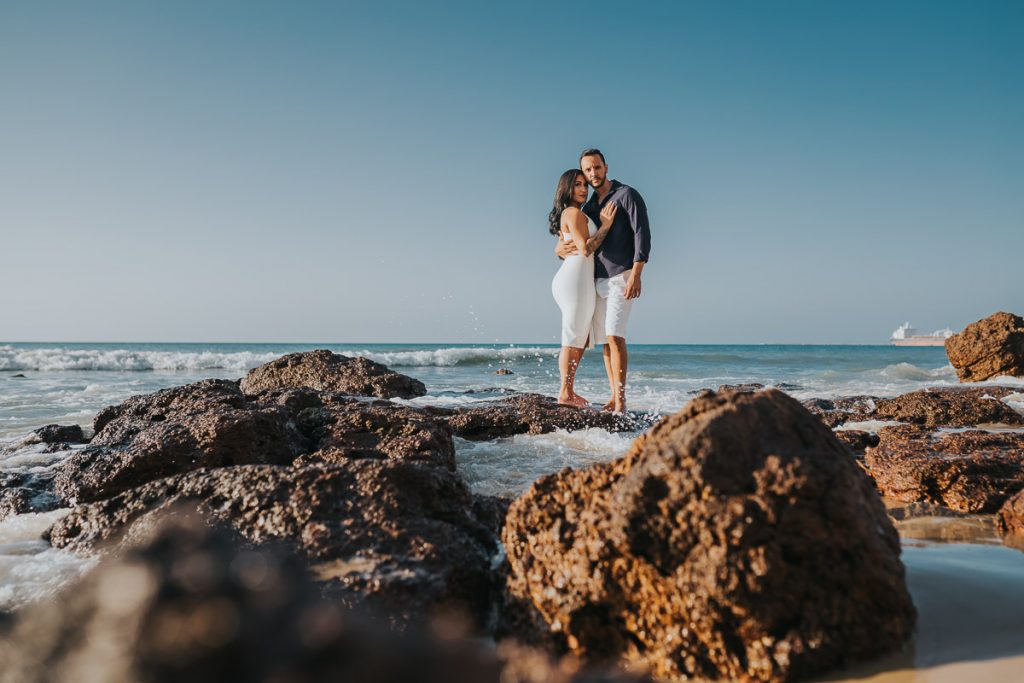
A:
{"points": [[574, 292]]}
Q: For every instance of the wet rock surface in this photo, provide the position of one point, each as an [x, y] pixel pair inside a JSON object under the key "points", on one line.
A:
{"points": [[970, 471], [990, 347], [191, 604], [22, 492], [736, 539], [533, 414], [324, 370], [398, 537]]}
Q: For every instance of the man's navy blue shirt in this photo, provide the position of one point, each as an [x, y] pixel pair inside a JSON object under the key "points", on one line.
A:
{"points": [[629, 240]]}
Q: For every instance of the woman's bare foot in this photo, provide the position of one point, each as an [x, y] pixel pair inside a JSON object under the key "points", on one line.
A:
{"points": [[573, 400], [614, 406]]}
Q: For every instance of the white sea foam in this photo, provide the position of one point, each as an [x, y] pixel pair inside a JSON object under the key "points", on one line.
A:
{"points": [[909, 371], [30, 569], [867, 425], [506, 467], [1015, 401], [126, 360], [448, 357]]}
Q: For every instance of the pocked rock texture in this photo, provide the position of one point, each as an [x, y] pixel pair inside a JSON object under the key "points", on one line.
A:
{"points": [[971, 471], [324, 370], [212, 423], [990, 347], [736, 539]]}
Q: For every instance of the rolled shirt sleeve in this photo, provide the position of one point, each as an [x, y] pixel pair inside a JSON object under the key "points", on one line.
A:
{"points": [[641, 224]]}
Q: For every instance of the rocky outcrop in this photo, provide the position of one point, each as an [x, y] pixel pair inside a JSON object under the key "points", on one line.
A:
{"points": [[60, 434], [991, 347], [213, 424], [933, 407], [950, 407], [736, 539], [972, 471], [206, 424], [326, 371], [1010, 519], [399, 537], [192, 604], [533, 414]]}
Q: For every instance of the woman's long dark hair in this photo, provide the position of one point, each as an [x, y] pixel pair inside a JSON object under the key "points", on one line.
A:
{"points": [[563, 198]]}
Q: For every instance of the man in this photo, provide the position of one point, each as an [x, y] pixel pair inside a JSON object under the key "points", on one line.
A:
{"points": [[618, 265]]}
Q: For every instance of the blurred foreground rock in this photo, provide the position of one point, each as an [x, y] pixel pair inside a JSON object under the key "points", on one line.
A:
{"points": [[991, 347], [190, 605], [736, 539]]}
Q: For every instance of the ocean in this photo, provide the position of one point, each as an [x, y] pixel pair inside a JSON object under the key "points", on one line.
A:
{"points": [[44, 383]]}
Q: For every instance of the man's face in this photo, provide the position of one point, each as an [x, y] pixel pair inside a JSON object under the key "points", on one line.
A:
{"points": [[594, 169]]}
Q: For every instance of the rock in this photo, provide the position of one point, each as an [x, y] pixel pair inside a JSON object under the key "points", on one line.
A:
{"points": [[748, 387], [213, 424], [326, 371], [18, 376], [22, 492], [857, 440], [839, 411], [348, 428], [396, 536], [60, 434], [951, 406], [206, 424], [972, 471], [991, 347], [503, 371], [737, 539], [192, 604], [533, 414], [1010, 519]]}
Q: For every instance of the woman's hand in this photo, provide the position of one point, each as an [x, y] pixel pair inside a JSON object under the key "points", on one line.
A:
{"points": [[608, 214]]}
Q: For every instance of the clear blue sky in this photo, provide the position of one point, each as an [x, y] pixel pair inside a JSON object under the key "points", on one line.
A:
{"points": [[249, 171]]}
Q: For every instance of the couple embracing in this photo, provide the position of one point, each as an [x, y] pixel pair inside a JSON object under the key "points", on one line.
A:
{"points": [[600, 273]]}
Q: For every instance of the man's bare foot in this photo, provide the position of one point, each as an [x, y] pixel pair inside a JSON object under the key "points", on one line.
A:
{"points": [[609, 406]]}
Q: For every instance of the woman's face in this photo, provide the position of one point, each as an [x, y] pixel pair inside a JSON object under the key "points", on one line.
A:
{"points": [[579, 189]]}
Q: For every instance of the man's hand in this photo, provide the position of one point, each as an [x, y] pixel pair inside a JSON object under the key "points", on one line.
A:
{"points": [[633, 285], [563, 249]]}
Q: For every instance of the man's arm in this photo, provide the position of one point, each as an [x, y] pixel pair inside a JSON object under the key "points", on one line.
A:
{"points": [[636, 209]]}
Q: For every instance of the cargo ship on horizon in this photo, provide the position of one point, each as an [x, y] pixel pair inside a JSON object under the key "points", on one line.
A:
{"points": [[906, 335]]}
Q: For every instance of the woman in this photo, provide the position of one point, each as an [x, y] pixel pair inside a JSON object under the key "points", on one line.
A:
{"points": [[573, 286]]}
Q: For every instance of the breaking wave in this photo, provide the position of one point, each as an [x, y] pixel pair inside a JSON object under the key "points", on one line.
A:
{"points": [[127, 360], [448, 357]]}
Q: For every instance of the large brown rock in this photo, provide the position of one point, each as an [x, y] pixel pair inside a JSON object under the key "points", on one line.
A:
{"points": [[737, 539], [533, 414], [206, 424], [399, 537], [326, 371], [213, 424], [991, 347], [971, 471]]}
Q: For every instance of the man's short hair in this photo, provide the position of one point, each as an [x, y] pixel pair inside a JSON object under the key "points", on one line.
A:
{"points": [[591, 152]]}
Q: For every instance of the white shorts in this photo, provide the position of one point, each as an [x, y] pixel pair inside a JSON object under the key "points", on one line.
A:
{"points": [[611, 310]]}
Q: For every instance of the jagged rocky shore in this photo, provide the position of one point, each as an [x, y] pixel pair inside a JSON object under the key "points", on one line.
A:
{"points": [[741, 538]]}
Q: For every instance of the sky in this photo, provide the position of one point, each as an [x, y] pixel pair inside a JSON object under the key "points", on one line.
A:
{"points": [[382, 171]]}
